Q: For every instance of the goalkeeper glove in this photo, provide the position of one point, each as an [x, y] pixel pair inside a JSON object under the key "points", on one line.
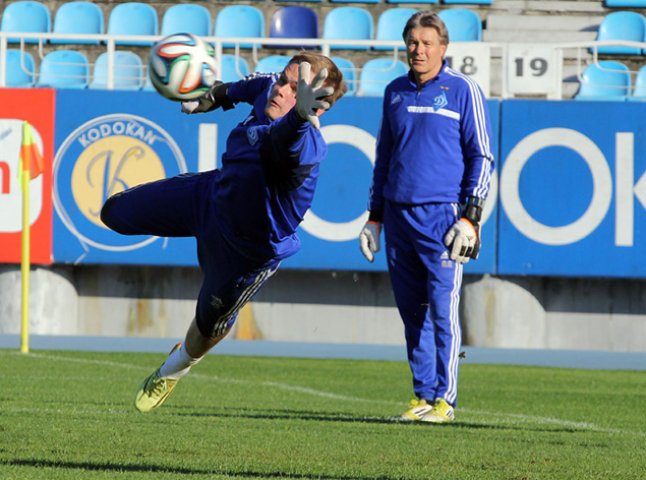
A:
{"points": [[463, 238], [369, 240], [309, 94], [216, 97]]}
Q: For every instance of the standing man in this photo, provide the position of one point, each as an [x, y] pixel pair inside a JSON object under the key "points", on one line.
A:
{"points": [[244, 215], [430, 181]]}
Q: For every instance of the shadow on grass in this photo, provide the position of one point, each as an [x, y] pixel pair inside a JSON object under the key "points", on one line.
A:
{"points": [[118, 467]]}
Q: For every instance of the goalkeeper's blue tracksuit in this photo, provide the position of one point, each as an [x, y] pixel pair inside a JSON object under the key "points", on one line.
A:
{"points": [[244, 215], [433, 151]]}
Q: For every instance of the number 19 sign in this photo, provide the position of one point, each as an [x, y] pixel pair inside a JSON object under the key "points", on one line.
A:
{"points": [[532, 70]]}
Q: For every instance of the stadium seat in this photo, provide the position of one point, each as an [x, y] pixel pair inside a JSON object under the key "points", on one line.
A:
{"points": [[626, 3], [377, 73], [463, 25], [133, 18], [239, 21], [78, 18], [349, 72], [26, 16], [128, 71], [233, 68], [20, 69], [391, 24], [64, 69], [639, 93], [629, 26], [348, 23], [186, 18], [605, 80], [272, 63], [294, 22]]}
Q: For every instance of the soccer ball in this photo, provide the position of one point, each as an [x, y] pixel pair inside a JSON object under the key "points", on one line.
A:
{"points": [[182, 67]]}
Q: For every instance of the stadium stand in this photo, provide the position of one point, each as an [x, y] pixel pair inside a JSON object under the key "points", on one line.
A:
{"points": [[349, 72], [64, 69], [377, 73], [639, 93], [78, 18], [239, 21], [348, 23], [630, 26], [468, 2], [272, 63], [355, 1], [20, 69], [128, 71], [294, 22], [186, 18], [233, 68], [26, 16], [413, 1], [464, 25], [391, 23], [133, 18], [607, 80]]}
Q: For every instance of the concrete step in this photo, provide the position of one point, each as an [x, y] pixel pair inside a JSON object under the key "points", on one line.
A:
{"points": [[569, 7], [539, 36], [551, 23]]}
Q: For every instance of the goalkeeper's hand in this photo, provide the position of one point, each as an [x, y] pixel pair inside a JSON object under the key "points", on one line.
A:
{"points": [[214, 98], [463, 240], [309, 94], [369, 240]]}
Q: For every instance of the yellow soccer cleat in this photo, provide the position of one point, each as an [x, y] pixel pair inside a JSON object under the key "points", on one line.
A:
{"points": [[155, 389], [417, 410], [442, 412]]}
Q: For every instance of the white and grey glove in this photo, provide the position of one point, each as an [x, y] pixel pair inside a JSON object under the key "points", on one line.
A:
{"points": [[214, 98], [309, 94], [462, 239], [369, 240]]}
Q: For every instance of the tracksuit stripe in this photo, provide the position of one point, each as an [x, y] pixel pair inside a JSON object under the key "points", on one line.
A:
{"points": [[456, 338]]}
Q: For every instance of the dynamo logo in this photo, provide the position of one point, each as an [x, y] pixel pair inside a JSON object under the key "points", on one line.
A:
{"points": [[104, 156]]}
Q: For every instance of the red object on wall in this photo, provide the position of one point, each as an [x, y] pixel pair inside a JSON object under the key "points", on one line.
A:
{"points": [[36, 106]]}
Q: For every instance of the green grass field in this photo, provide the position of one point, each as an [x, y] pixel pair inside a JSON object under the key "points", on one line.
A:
{"points": [[69, 415]]}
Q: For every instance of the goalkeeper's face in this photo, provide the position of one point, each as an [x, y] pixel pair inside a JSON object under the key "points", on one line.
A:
{"points": [[283, 94], [424, 52]]}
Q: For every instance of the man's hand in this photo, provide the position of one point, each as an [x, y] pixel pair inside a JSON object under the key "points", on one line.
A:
{"points": [[215, 97], [369, 240], [309, 95], [463, 240]]}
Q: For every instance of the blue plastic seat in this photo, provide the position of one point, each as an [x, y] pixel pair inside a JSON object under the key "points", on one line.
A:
{"points": [[233, 68], [349, 71], [391, 23], [348, 23], [239, 21], [639, 93], [626, 3], [463, 25], [26, 16], [20, 68], [630, 26], [605, 80], [128, 71], [272, 63], [64, 69], [78, 18], [294, 22], [186, 18], [133, 18], [377, 73]]}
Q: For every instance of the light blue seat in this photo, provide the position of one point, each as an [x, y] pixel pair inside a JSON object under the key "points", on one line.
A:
{"points": [[233, 68], [293, 22], [348, 23], [186, 18], [64, 69], [630, 26], [464, 25], [239, 21], [605, 80], [349, 71], [626, 3], [272, 63], [78, 18], [26, 16], [20, 68], [128, 71], [133, 18], [639, 93], [390, 25], [377, 73]]}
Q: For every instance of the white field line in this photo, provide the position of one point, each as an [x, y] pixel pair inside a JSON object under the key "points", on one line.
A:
{"points": [[510, 418]]}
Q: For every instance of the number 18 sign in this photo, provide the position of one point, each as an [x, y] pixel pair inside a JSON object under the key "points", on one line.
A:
{"points": [[532, 70]]}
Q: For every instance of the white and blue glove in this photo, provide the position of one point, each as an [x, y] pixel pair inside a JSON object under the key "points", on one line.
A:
{"points": [[369, 240], [309, 94]]}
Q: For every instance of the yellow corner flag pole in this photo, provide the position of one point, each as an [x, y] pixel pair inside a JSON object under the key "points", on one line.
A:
{"points": [[25, 262]]}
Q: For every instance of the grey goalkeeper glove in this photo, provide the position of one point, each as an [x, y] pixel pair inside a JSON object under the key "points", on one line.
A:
{"points": [[216, 97], [309, 94], [369, 240], [463, 238]]}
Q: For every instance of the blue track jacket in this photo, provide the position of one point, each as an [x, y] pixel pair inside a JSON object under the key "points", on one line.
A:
{"points": [[434, 143]]}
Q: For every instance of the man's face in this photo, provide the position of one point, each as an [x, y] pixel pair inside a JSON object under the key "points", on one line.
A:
{"points": [[424, 52], [283, 94]]}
